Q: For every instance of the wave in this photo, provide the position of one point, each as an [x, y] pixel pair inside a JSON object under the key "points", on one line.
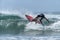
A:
{"points": [[52, 25], [16, 24], [12, 24]]}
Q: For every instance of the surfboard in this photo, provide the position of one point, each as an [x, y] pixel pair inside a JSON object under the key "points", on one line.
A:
{"points": [[31, 19]]}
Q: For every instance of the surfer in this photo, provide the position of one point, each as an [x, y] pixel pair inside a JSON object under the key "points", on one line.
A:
{"points": [[40, 17]]}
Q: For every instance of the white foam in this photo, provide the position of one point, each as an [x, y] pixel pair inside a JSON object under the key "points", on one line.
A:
{"points": [[34, 26], [56, 25], [52, 16], [30, 38], [16, 12]]}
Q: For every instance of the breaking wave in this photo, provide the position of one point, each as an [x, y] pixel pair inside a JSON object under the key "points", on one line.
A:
{"points": [[16, 24]]}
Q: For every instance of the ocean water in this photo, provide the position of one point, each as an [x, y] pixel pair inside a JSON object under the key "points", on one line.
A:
{"points": [[17, 27]]}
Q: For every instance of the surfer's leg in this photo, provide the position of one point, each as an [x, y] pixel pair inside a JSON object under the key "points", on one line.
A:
{"points": [[41, 21]]}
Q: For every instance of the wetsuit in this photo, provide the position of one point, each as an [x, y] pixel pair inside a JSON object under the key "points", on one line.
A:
{"points": [[41, 16]]}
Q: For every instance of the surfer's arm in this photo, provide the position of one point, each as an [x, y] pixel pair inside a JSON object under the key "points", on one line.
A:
{"points": [[41, 21], [47, 19]]}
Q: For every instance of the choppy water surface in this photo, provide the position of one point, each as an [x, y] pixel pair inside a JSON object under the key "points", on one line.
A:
{"points": [[14, 27]]}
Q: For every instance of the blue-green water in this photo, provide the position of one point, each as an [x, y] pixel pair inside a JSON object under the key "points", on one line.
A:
{"points": [[13, 27]]}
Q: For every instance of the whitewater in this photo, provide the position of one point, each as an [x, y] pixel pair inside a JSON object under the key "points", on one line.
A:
{"points": [[15, 26]]}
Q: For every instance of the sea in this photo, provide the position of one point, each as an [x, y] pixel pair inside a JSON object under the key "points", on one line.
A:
{"points": [[15, 26]]}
